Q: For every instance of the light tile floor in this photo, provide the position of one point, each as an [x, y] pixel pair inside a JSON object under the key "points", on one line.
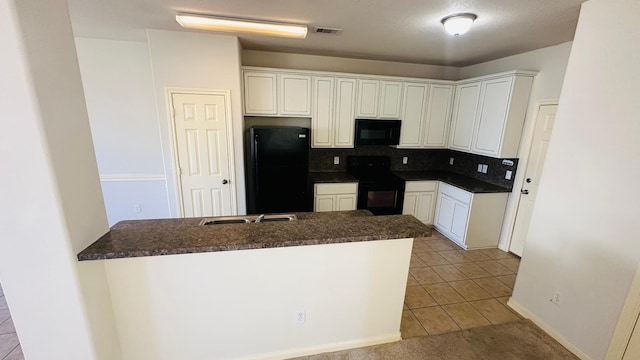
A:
{"points": [[450, 289], [9, 344]]}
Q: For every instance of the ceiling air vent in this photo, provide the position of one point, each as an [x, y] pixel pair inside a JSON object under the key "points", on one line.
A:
{"points": [[328, 30]]}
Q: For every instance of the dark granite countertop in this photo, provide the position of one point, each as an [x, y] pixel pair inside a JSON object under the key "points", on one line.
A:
{"points": [[331, 177], [137, 238], [461, 181]]}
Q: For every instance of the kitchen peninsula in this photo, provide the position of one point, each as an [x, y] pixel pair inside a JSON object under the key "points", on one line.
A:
{"points": [[324, 282]]}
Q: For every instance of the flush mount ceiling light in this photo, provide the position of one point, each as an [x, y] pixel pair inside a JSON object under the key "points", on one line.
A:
{"points": [[458, 24], [245, 26]]}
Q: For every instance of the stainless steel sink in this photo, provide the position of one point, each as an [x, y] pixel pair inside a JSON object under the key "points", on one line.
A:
{"points": [[246, 219]]}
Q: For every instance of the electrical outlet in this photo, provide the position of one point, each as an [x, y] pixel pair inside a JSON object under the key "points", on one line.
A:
{"points": [[555, 299], [336, 160], [451, 161], [405, 160], [479, 168], [137, 208], [301, 316], [508, 175], [485, 167]]}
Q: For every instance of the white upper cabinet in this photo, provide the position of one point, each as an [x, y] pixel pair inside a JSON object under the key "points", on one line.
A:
{"points": [[294, 95], [426, 112], [260, 91], [379, 99], [274, 94], [489, 115], [413, 112], [333, 121], [368, 92], [323, 109], [345, 112], [464, 115], [501, 116], [436, 132], [390, 100]]}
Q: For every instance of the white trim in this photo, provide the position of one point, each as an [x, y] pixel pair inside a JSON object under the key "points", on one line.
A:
{"points": [[288, 354], [510, 217], [231, 162], [548, 329], [131, 177], [626, 322]]}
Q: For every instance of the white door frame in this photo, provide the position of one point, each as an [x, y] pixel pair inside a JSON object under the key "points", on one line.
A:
{"points": [[522, 167], [231, 161], [626, 322]]}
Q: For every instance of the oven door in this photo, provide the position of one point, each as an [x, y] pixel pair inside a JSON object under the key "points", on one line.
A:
{"points": [[381, 199]]}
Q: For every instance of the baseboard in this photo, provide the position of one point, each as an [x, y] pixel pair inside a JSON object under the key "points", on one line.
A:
{"points": [[548, 329], [293, 353]]}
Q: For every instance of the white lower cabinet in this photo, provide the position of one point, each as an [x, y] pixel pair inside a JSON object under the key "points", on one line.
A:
{"points": [[471, 220], [420, 200], [335, 197]]}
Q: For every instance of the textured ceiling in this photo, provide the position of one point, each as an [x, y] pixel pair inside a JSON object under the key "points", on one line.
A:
{"points": [[400, 30]]}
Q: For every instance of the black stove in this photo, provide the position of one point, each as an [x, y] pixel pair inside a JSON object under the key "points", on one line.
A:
{"points": [[379, 190]]}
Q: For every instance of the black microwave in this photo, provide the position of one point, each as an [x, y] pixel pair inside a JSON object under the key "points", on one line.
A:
{"points": [[377, 132]]}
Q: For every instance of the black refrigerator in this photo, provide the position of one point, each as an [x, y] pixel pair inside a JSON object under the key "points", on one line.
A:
{"points": [[277, 169]]}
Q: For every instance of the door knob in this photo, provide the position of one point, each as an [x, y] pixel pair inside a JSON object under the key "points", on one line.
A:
{"points": [[528, 180], [524, 192], [225, 181]]}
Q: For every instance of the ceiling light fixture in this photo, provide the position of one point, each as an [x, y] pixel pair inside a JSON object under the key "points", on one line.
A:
{"points": [[458, 24], [245, 26]]}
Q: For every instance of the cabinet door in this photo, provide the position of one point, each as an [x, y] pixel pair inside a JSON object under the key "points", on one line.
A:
{"points": [[324, 203], [390, 100], [322, 124], [444, 213], [344, 124], [260, 93], [464, 116], [346, 202], [368, 98], [413, 111], [294, 94], [410, 204], [494, 106], [436, 129], [459, 221], [425, 208]]}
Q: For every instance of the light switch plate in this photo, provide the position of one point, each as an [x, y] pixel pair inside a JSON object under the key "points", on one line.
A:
{"points": [[451, 161], [485, 167], [336, 160], [479, 168], [405, 160]]}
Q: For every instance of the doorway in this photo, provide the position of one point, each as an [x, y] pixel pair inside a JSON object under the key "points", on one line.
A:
{"points": [[203, 144], [544, 120]]}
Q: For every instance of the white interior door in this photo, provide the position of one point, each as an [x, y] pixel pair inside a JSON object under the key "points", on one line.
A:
{"points": [[542, 134], [202, 144]]}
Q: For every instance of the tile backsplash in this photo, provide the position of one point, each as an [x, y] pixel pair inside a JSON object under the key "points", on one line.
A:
{"points": [[322, 160]]}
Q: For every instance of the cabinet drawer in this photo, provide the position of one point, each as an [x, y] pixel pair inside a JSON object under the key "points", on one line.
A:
{"points": [[421, 186], [456, 193], [335, 189]]}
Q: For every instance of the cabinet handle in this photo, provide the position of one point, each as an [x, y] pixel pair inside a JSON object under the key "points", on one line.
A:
{"points": [[528, 180], [524, 192], [225, 181]]}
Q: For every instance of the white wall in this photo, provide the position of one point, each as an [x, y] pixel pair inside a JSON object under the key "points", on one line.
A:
{"points": [[118, 87], [243, 304], [551, 64], [583, 240], [340, 64], [52, 203], [201, 61]]}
